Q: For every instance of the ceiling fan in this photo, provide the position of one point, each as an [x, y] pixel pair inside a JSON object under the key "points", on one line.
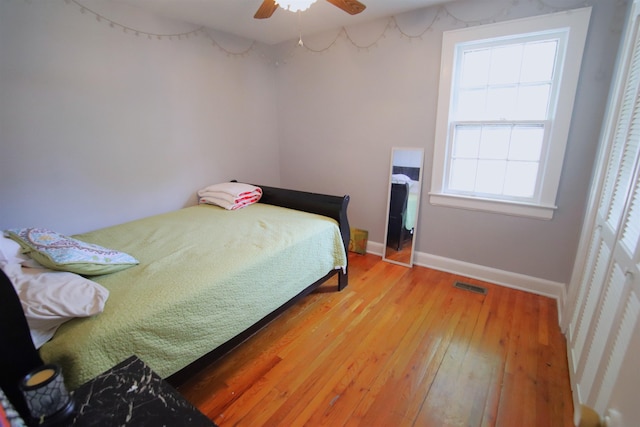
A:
{"points": [[352, 7]]}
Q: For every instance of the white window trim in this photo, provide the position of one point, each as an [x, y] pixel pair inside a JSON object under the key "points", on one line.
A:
{"points": [[578, 22]]}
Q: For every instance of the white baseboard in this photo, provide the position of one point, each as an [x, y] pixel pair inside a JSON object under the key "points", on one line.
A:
{"points": [[547, 288], [375, 248]]}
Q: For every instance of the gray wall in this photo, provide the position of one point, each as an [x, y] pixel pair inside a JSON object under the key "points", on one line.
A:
{"points": [[342, 110], [99, 127]]}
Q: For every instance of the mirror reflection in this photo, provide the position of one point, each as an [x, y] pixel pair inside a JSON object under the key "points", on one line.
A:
{"points": [[405, 178]]}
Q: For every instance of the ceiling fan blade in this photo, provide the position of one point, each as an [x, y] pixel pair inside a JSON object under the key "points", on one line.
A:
{"points": [[352, 7], [266, 9]]}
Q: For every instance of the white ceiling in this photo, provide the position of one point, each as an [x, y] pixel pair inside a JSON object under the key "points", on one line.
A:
{"points": [[236, 16]]}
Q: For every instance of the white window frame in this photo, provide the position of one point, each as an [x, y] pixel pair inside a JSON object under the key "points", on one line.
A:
{"points": [[542, 205]]}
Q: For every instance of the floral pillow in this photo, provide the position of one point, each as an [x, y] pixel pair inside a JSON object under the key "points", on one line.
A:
{"points": [[59, 252]]}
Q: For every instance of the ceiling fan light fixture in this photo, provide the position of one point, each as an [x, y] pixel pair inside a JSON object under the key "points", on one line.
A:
{"points": [[295, 5]]}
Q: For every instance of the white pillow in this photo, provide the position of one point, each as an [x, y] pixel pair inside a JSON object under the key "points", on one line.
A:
{"points": [[50, 298], [398, 178], [11, 253]]}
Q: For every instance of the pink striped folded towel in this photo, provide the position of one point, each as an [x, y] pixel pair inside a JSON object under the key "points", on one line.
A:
{"points": [[230, 195]]}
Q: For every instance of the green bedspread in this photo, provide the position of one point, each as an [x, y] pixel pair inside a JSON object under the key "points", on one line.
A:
{"points": [[205, 275]]}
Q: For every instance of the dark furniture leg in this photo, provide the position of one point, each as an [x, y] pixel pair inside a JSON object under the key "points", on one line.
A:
{"points": [[18, 355], [343, 280]]}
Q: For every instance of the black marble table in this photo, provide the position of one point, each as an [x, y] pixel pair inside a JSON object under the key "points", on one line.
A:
{"points": [[131, 394]]}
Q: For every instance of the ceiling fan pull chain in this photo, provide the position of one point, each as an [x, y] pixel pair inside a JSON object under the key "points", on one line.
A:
{"points": [[300, 43]]}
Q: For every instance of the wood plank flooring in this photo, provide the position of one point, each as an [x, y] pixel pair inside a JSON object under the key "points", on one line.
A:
{"points": [[397, 347]]}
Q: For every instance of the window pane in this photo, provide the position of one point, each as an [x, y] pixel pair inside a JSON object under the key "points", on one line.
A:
{"points": [[490, 176], [471, 104], [466, 141], [533, 102], [496, 159], [494, 143], [520, 179], [526, 143], [501, 103], [475, 68], [505, 64], [538, 61], [463, 175]]}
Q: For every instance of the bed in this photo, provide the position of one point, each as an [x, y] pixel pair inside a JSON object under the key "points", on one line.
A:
{"points": [[207, 279]]}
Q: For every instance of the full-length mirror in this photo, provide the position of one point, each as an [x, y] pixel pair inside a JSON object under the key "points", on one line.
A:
{"points": [[405, 183]]}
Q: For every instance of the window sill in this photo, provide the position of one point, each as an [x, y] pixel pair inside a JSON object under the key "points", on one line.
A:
{"points": [[527, 210]]}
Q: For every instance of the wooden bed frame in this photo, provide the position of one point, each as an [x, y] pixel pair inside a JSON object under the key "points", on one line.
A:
{"points": [[19, 339], [331, 206]]}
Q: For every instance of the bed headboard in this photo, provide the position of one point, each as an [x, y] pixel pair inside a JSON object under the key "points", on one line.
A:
{"points": [[322, 204]]}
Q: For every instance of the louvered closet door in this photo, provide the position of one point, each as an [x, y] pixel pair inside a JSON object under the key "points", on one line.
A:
{"points": [[606, 308]]}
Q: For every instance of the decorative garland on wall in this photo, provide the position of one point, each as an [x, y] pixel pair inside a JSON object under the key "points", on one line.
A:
{"points": [[130, 30], [200, 31], [441, 12]]}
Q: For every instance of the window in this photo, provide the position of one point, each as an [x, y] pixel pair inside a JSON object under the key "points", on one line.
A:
{"points": [[504, 108]]}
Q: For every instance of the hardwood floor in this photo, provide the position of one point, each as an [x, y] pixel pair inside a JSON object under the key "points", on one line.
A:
{"points": [[403, 255], [397, 347]]}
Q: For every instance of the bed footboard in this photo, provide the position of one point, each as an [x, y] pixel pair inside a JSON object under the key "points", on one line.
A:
{"points": [[332, 206], [322, 204]]}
